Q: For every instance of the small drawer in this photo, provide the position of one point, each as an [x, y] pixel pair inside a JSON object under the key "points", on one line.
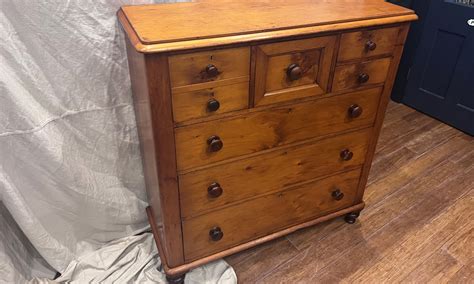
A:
{"points": [[220, 185], [206, 66], [210, 101], [207, 142], [368, 43], [360, 74], [231, 226], [292, 69]]}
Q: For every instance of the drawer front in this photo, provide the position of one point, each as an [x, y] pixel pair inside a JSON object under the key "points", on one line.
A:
{"points": [[210, 101], [206, 66], [367, 43], [225, 228], [292, 69], [270, 171], [257, 131], [360, 74]]}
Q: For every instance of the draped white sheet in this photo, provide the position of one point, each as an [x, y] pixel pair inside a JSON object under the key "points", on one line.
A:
{"points": [[70, 166]]}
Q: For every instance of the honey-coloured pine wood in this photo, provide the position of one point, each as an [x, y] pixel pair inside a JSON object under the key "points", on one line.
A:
{"points": [[285, 208], [368, 43], [256, 110], [216, 65], [210, 101], [361, 74], [292, 69], [224, 22], [276, 170], [274, 127]]}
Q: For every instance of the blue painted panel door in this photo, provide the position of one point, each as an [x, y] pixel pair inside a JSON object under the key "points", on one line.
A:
{"points": [[441, 80]]}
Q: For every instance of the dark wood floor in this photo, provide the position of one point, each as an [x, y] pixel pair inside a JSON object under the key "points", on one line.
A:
{"points": [[418, 224]]}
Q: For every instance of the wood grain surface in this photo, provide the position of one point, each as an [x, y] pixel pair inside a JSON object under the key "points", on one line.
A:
{"points": [[272, 128], [347, 76], [267, 214], [189, 68], [210, 19], [313, 56], [192, 105], [275, 170], [354, 44]]}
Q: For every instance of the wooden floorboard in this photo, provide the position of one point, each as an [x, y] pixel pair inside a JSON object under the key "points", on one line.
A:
{"points": [[417, 227]]}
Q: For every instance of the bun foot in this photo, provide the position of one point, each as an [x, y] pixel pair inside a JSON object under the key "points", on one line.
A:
{"points": [[175, 279], [350, 218]]}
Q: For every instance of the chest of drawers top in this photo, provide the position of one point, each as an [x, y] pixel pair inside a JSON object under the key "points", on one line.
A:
{"points": [[206, 23], [263, 113]]}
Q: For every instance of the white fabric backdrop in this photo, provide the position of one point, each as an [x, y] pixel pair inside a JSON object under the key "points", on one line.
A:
{"points": [[70, 168]]}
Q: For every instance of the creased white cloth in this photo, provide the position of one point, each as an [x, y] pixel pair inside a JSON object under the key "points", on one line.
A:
{"points": [[139, 262], [70, 166]]}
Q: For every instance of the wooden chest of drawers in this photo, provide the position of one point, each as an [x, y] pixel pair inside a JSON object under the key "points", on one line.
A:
{"points": [[257, 118]]}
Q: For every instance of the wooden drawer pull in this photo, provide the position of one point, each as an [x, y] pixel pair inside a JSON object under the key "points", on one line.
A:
{"points": [[294, 72], [354, 111], [216, 234], [211, 70], [337, 194], [214, 190], [370, 45], [215, 143], [213, 105], [363, 78], [346, 155]]}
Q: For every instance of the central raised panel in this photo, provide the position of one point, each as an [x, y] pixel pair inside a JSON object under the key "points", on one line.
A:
{"points": [[281, 66], [292, 69], [440, 68]]}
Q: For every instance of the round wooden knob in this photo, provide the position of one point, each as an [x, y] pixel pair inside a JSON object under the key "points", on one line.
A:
{"points": [[294, 72], [213, 105], [216, 234], [370, 45], [363, 78], [337, 194], [346, 155], [215, 143], [214, 190], [211, 70], [354, 111]]}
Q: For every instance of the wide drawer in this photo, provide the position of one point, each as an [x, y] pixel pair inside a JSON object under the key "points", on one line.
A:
{"points": [[270, 171], [205, 66], [225, 228], [257, 131], [367, 43], [210, 101], [356, 75], [292, 69]]}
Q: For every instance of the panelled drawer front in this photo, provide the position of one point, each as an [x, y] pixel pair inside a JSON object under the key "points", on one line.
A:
{"points": [[292, 69], [367, 43], [360, 74], [271, 171], [210, 101], [270, 128], [200, 67], [222, 229]]}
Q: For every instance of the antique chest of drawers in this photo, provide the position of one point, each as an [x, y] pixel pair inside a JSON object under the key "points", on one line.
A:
{"points": [[257, 118]]}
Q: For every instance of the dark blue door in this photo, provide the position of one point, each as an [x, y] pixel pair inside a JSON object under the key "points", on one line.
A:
{"points": [[441, 79]]}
